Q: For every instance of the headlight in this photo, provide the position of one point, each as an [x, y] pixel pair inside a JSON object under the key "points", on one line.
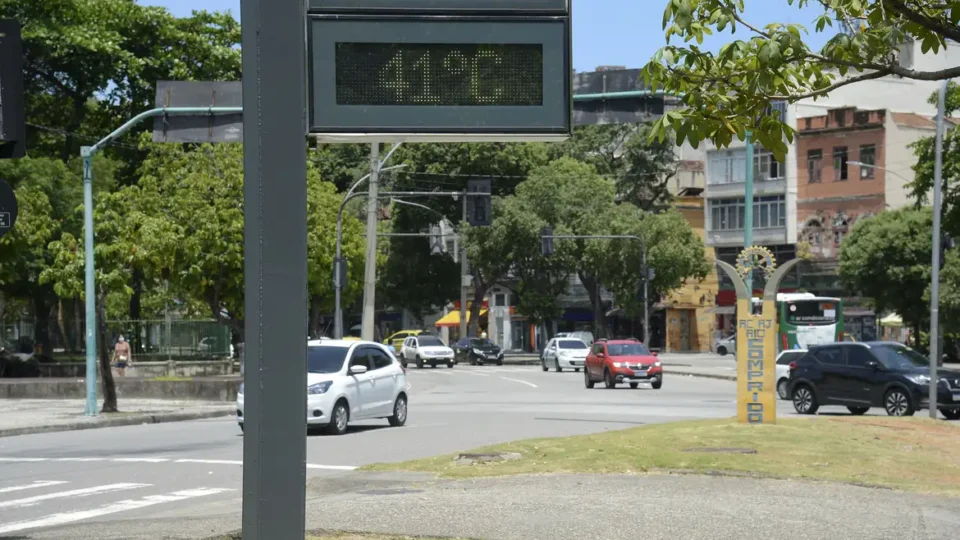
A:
{"points": [[319, 388], [240, 391], [477, 351], [619, 364], [919, 379], [656, 364]]}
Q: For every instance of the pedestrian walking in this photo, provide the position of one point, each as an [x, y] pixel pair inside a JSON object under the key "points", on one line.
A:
{"points": [[121, 356]]}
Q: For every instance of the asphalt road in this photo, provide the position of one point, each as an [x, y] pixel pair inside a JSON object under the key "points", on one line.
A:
{"points": [[183, 480]]}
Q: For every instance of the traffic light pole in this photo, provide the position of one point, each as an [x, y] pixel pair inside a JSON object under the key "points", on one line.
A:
{"points": [[338, 280], [462, 244], [643, 263], [935, 268]]}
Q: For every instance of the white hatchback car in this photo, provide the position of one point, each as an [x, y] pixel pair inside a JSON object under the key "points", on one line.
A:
{"points": [[426, 349], [783, 370], [564, 352], [349, 381]]}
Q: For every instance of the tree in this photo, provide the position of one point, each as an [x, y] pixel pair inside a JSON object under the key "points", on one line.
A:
{"points": [[887, 258], [925, 149], [640, 167], [488, 250], [724, 94]]}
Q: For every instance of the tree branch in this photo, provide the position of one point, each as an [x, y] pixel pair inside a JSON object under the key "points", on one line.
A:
{"points": [[933, 25]]}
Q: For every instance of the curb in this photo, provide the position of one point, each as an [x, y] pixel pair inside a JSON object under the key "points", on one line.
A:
{"points": [[132, 420], [704, 375]]}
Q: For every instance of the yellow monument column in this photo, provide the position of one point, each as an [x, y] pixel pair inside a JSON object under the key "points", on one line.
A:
{"points": [[756, 336]]}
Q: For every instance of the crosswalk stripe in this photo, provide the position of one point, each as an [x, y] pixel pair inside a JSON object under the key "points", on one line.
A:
{"points": [[28, 501], [113, 508], [37, 484]]}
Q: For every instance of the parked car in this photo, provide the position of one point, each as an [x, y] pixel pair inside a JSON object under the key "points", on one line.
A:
{"points": [[478, 351], [349, 381], [784, 359], [870, 374], [622, 361], [397, 338], [564, 352], [727, 345], [426, 349], [582, 335]]}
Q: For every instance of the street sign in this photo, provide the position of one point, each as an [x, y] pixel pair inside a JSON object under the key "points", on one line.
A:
{"points": [[13, 120], [8, 208], [199, 128], [487, 70], [546, 241]]}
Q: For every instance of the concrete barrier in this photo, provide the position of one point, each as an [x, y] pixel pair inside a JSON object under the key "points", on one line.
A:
{"points": [[212, 389], [166, 368]]}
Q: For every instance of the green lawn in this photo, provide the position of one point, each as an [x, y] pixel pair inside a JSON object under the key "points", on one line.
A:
{"points": [[914, 454]]}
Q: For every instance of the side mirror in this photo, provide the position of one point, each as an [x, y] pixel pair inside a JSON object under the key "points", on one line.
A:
{"points": [[600, 355], [358, 370], [654, 353], [873, 364]]}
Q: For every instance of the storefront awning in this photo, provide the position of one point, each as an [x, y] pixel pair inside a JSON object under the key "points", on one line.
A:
{"points": [[452, 319]]}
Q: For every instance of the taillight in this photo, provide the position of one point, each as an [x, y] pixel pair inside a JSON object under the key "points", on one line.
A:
{"points": [[841, 337], [793, 366], [783, 338]]}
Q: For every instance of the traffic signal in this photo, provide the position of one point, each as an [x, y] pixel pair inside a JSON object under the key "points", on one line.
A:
{"points": [[479, 208], [546, 241], [13, 126]]}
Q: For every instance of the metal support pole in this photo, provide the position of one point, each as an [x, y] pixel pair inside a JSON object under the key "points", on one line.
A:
{"points": [[935, 270], [748, 207], [90, 281], [646, 299], [464, 269], [370, 262], [275, 268]]}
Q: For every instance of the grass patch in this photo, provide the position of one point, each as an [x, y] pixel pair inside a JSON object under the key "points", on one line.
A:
{"points": [[913, 454]]}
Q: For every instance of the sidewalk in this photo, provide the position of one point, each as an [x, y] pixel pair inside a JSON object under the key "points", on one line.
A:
{"points": [[25, 416]]}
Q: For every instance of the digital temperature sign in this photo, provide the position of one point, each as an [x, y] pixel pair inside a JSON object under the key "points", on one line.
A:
{"points": [[377, 74]]}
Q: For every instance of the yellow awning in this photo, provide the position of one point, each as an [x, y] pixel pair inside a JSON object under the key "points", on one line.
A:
{"points": [[453, 318]]}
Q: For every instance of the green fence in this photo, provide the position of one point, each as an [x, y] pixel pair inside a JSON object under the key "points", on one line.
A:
{"points": [[172, 340]]}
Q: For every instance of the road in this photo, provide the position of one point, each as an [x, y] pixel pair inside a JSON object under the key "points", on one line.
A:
{"points": [[185, 478]]}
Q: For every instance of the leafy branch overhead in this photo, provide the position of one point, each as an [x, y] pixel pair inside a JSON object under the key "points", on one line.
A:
{"points": [[725, 94]]}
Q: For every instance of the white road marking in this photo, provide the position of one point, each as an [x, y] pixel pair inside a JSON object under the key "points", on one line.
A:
{"points": [[37, 484], [24, 459], [122, 506], [161, 460], [81, 459], [29, 501], [211, 461], [141, 460], [473, 373], [530, 384], [331, 467]]}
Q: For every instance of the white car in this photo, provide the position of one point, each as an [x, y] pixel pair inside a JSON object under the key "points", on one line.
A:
{"points": [[426, 349], [564, 352], [349, 381], [783, 370], [727, 345]]}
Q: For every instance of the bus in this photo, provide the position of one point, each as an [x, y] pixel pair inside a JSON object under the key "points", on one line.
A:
{"points": [[804, 320]]}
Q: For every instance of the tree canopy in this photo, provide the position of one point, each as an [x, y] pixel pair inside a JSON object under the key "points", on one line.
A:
{"points": [[727, 93]]}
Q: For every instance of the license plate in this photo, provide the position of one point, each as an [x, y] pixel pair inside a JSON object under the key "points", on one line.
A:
{"points": [[639, 373], [956, 396]]}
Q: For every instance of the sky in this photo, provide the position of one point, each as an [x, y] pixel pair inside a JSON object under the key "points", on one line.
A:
{"points": [[605, 32]]}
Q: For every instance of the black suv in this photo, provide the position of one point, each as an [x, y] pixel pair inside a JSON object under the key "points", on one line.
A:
{"points": [[875, 374]]}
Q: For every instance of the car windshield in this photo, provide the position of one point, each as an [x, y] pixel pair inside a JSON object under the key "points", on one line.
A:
{"points": [[811, 312], [899, 357], [572, 344], [430, 342], [481, 343], [627, 349], [325, 359]]}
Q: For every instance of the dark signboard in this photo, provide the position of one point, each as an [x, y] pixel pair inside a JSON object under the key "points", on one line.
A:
{"points": [[379, 75], [8, 208], [442, 6]]}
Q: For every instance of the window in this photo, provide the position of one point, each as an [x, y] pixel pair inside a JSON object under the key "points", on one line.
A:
{"points": [[628, 349], [430, 341], [868, 158], [729, 214], [325, 359], [858, 357], [598, 348], [380, 359], [500, 300], [790, 356], [839, 163], [832, 356], [572, 344], [360, 358], [900, 357], [765, 166], [815, 166], [813, 312]]}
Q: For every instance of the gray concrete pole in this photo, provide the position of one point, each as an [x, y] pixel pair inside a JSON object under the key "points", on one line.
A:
{"points": [[275, 268], [370, 263], [464, 270], [935, 270], [646, 298]]}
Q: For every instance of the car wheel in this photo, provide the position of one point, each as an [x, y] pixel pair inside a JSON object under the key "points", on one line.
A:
{"points": [[500, 361], [898, 403], [608, 379], [657, 384], [558, 368], [804, 401], [419, 362], [543, 364], [241, 425], [634, 385], [858, 411], [399, 417], [722, 351], [949, 414], [450, 364], [783, 389], [433, 365], [587, 381], [339, 419]]}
